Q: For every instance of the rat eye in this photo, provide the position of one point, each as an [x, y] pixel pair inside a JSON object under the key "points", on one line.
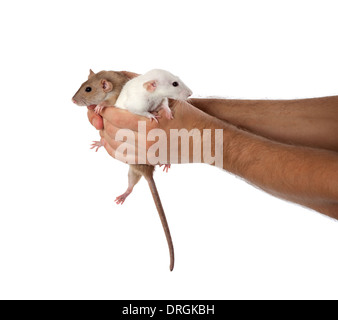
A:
{"points": [[88, 89], [175, 84]]}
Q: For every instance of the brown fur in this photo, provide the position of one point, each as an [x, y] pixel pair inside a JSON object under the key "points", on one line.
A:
{"points": [[98, 94]]}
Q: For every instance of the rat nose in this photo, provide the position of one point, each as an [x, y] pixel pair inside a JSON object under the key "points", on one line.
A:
{"points": [[189, 92], [73, 100]]}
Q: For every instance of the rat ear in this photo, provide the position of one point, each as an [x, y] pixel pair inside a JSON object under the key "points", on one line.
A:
{"points": [[91, 73], [106, 85], [150, 86]]}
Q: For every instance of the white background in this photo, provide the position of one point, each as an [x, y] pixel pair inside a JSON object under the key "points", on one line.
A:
{"points": [[62, 236]]}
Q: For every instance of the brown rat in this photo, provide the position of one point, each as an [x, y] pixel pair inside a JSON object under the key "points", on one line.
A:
{"points": [[102, 89], [104, 86]]}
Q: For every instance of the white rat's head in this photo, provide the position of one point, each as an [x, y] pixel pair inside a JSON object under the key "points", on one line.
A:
{"points": [[164, 84]]}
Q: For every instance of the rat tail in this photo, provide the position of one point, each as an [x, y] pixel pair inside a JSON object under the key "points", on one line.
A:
{"points": [[163, 218]]}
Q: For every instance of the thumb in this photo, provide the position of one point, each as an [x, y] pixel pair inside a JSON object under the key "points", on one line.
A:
{"points": [[95, 119]]}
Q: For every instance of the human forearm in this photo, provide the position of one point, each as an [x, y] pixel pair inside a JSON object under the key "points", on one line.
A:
{"points": [[306, 122], [299, 174]]}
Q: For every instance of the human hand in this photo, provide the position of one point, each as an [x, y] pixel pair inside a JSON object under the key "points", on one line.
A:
{"points": [[186, 117], [156, 137]]}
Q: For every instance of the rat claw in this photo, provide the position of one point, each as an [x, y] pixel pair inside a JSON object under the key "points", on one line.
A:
{"points": [[153, 118], [166, 167], [120, 199], [169, 115], [99, 108]]}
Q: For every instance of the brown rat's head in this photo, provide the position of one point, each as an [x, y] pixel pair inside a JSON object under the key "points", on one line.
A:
{"points": [[98, 86]]}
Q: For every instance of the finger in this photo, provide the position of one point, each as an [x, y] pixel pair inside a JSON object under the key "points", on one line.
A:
{"points": [[126, 154], [125, 119], [110, 129], [95, 119], [116, 154], [110, 140], [108, 148]]}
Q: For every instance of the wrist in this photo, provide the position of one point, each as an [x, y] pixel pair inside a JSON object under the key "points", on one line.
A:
{"points": [[200, 137], [216, 136]]}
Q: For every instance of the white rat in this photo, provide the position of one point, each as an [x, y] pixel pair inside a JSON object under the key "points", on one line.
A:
{"points": [[145, 95], [148, 93]]}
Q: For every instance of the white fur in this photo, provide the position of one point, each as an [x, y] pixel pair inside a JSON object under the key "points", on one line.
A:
{"points": [[135, 98]]}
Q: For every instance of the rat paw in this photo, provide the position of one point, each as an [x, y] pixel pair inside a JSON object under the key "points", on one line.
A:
{"points": [[120, 199], [166, 167], [154, 116], [99, 108], [97, 145], [169, 115]]}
